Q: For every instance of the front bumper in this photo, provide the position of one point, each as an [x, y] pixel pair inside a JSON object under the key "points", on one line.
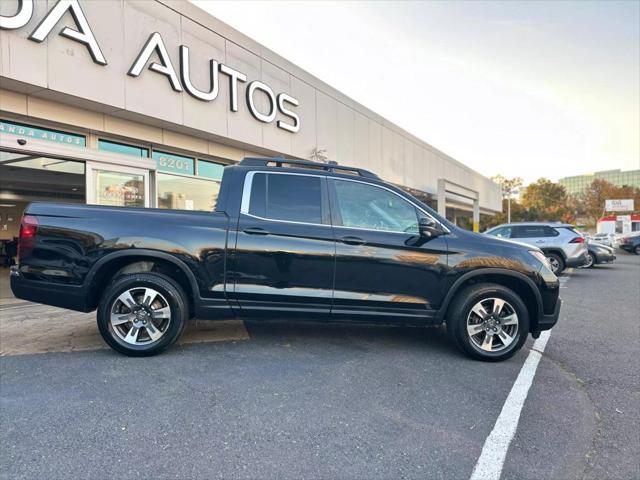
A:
{"points": [[605, 257], [546, 322]]}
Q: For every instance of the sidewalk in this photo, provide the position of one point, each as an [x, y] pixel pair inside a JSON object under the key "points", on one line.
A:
{"points": [[27, 328]]}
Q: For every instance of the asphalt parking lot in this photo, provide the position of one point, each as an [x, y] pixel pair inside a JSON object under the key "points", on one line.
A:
{"points": [[322, 401]]}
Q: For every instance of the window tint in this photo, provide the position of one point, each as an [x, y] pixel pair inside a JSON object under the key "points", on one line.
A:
{"points": [[258, 199], [294, 198], [530, 231], [367, 206], [504, 232]]}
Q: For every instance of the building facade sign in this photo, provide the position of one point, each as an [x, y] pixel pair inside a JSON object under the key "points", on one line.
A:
{"points": [[41, 133], [179, 79], [170, 162]]}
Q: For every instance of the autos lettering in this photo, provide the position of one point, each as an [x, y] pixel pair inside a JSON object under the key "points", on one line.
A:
{"points": [[155, 44]]}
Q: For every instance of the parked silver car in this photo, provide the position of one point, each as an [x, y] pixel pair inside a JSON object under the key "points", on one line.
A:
{"points": [[561, 243], [603, 238]]}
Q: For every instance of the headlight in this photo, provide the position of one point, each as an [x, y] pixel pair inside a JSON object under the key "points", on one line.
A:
{"points": [[540, 256]]}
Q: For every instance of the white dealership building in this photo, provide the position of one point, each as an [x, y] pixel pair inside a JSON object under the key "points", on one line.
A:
{"points": [[142, 102]]}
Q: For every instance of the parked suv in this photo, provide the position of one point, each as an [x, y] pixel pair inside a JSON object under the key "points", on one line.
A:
{"points": [[561, 243], [288, 239]]}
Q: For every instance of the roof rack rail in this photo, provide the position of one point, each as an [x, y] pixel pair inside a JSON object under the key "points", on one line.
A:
{"points": [[330, 166]]}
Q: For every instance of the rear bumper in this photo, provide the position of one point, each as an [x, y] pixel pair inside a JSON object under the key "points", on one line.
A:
{"points": [[578, 261], [546, 322], [72, 297]]}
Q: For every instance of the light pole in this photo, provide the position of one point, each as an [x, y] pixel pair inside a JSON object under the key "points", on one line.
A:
{"points": [[510, 192], [509, 186]]}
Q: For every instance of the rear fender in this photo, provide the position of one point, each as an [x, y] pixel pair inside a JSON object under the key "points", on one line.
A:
{"points": [[94, 277]]}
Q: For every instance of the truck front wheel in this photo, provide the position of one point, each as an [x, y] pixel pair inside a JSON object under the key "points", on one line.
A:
{"points": [[488, 322], [142, 314]]}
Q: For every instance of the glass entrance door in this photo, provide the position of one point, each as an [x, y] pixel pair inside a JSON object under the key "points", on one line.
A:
{"points": [[117, 186]]}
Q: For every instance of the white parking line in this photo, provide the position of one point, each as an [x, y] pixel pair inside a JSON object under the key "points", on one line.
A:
{"points": [[494, 452]]}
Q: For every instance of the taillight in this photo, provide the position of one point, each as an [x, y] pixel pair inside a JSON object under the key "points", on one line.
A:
{"points": [[28, 230], [577, 240]]}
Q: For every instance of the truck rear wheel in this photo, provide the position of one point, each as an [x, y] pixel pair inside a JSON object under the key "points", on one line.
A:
{"points": [[142, 314], [488, 322]]}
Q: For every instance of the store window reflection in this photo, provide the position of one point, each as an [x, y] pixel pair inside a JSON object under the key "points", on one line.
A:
{"points": [[119, 189], [186, 193]]}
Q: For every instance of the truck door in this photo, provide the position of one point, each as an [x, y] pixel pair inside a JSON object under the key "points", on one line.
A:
{"points": [[383, 267], [284, 257]]}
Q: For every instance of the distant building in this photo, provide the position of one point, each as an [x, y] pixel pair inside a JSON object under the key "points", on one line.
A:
{"points": [[577, 184]]}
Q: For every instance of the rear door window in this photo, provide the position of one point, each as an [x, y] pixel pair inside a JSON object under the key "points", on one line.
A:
{"points": [[286, 197], [530, 231]]}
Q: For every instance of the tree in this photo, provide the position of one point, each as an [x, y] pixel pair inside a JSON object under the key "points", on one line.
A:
{"points": [[509, 187], [592, 202], [518, 214], [546, 201]]}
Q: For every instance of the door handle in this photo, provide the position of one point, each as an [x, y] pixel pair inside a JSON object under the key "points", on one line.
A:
{"points": [[255, 231], [349, 240], [539, 241]]}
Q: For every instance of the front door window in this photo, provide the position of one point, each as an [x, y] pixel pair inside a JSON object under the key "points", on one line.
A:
{"points": [[373, 208]]}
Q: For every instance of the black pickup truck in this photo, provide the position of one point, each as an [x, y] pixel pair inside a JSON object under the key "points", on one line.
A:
{"points": [[288, 239]]}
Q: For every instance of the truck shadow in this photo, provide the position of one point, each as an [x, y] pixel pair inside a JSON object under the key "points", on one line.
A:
{"points": [[362, 337]]}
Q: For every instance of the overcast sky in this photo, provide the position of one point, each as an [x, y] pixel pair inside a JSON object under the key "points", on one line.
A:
{"points": [[524, 89]]}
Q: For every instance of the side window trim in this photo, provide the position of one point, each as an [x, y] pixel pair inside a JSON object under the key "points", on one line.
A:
{"points": [[336, 219], [246, 198]]}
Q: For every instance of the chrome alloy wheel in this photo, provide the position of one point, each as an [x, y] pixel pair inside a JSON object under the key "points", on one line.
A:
{"points": [[554, 264], [492, 324], [590, 261], [140, 316]]}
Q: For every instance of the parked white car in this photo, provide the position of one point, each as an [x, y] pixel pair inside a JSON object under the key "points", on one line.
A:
{"points": [[562, 244], [604, 238]]}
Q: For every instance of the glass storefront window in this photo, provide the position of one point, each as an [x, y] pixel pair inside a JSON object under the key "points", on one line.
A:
{"points": [[210, 170], [26, 178], [119, 189], [116, 147], [48, 164], [186, 193]]}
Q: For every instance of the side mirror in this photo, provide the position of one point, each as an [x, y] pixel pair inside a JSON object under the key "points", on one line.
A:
{"points": [[429, 228]]}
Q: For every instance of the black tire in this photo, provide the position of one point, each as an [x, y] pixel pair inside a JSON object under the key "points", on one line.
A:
{"points": [[460, 310], [591, 260], [171, 292], [637, 250], [554, 257]]}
